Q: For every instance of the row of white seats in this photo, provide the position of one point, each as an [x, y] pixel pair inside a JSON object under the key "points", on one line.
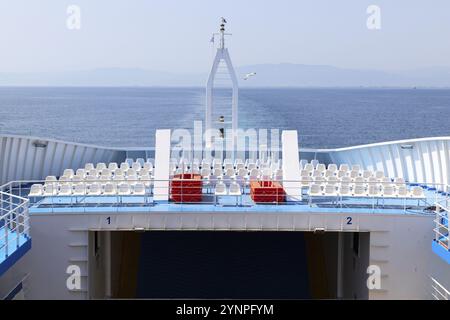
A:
{"points": [[373, 191], [82, 189], [69, 174], [385, 181], [137, 165]]}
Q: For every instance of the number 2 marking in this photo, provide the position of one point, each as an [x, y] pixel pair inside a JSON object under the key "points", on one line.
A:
{"points": [[349, 220]]}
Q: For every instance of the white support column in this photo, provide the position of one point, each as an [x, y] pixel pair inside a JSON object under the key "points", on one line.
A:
{"points": [[162, 165], [291, 167]]}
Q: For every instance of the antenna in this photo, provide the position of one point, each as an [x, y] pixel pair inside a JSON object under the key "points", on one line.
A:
{"points": [[222, 56]]}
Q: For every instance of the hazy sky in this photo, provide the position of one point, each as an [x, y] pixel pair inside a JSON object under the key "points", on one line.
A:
{"points": [[173, 35]]}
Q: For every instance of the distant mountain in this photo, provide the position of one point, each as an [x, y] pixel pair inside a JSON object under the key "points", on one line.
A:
{"points": [[267, 75]]}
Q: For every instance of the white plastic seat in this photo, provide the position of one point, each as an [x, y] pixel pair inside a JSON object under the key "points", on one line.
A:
{"points": [[385, 181], [240, 180], [146, 179], [239, 162], [79, 189], [132, 179], [305, 173], [330, 190], [211, 181], [124, 189], [302, 163], [317, 173], [124, 166], [344, 190], [353, 174], [402, 191], [255, 173], [113, 166], [399, 182], [221, 189], [228, 166], [242, 172], [315, 190], [367, 174], [92, 173], [217, 166], [359, 180], [136, 166], [36, 190], [345, 181], [240, 166], [388, 191], [319, 180], [65, 179], [65, 189], [359, 190], [89, 166], [78, 178], [119, 176], [314, 163], [341, 174], [131, 172], [80, 172], [148, 166], [332, 167], [50, 189], [373, 191], [417, 193], [356, 167], [68, 173], [379, 175], [141, 161], [306, 181], [100, 166], [205, 172], [235, 189], [329, 173], [50, 179], [110, 189], [332, 180], [106, 173], [251, 166], [344, 167], [95, 189], [91, 179], [229, 172], [139, 189], [308, 167], [320, 167]]}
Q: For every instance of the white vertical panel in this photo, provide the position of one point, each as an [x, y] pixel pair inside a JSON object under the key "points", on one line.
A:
{"points": [[291, 168], [162, 159]]}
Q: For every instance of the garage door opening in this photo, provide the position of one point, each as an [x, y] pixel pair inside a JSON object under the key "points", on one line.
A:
{"points": [[228, 264]]}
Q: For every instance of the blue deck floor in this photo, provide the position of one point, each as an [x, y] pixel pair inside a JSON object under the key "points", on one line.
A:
{"points": [[228, 204], [17, 247]]}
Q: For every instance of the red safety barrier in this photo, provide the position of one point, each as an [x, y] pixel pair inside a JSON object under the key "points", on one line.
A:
{"points": [[267, 191], [186, 188]]}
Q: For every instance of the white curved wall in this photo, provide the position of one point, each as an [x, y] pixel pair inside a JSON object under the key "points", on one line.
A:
{"points": [[20, 159], [424, 160]]}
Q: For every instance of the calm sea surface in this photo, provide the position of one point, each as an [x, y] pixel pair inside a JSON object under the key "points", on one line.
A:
{"points": [[324, 118]]}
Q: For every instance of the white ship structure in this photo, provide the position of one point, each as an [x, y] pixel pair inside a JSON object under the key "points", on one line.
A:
{"points": [[373, 218]]}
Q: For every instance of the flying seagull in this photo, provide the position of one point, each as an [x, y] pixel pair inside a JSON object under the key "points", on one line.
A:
{"points": [[223, 20], [248, 75]]}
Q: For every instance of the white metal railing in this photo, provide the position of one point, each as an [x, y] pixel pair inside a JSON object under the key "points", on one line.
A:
{"points": [[22, 188], [14, 221], [439, 292], [441, 229]]}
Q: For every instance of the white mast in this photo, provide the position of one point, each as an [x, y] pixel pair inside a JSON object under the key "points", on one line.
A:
{"points": [[222, 55]]}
